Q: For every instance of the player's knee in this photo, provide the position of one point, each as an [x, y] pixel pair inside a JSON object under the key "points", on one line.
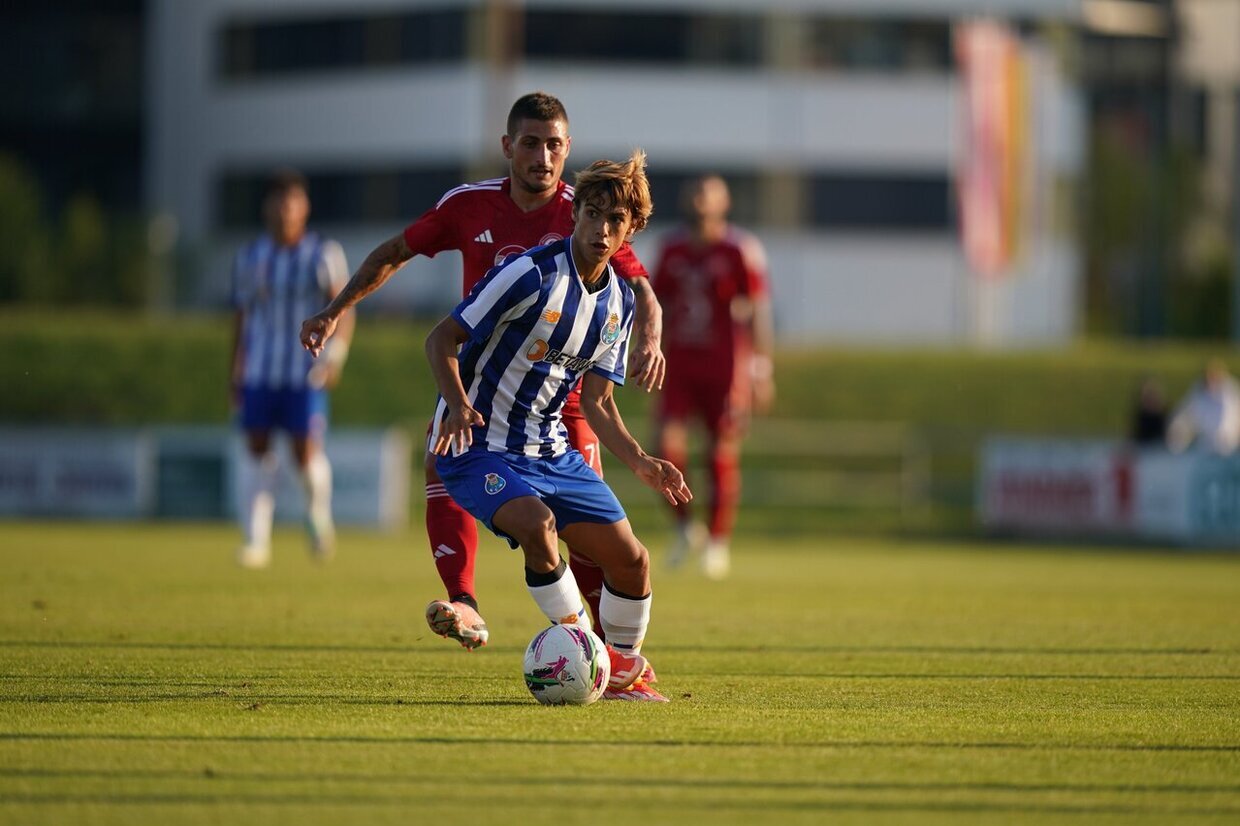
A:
{"points": [[535, 533], [636, 560]]}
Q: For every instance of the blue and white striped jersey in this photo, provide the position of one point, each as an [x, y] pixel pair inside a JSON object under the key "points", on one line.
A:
{"points": [[276, 288], [534, 330]]}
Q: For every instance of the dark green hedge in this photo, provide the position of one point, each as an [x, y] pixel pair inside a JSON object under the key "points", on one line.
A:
{"points": [[126, 369]]}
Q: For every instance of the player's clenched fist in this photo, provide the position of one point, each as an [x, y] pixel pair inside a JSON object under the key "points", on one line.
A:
{"points": [[315, 331]]}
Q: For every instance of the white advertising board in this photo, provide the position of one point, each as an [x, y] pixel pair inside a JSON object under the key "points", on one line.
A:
{"points": [[1055, 486], [189, 473], [70, 472], [370, 478], [1088, 488]]}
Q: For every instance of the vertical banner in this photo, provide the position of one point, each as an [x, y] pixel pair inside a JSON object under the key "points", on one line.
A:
{"points": [[993, 160]]}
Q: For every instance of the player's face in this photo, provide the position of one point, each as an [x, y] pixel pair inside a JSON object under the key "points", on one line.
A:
{"points": [[286, 212], [600, 228], [536, 152], [709, 200]]}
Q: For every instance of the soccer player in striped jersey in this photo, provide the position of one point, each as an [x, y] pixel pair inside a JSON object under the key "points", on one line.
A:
{"points": [[486, 222], [711, 277], [277, 280], [505, 362]]}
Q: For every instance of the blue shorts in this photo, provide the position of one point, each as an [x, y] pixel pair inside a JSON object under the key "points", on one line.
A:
{"points": [[480, 481], [300, 412]]}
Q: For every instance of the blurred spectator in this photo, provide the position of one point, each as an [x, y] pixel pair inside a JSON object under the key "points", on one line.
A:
{"points": [[1149, 414], [1209, 416]]}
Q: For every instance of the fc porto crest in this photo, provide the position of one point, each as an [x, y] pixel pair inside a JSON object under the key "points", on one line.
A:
{"points": [[611, 330], [493, 483]]}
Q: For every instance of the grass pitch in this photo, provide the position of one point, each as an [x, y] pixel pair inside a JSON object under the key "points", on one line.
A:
{"points": [[144, 679]]}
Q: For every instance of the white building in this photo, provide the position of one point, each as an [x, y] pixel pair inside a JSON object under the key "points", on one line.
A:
{"points": [[834, 120]]}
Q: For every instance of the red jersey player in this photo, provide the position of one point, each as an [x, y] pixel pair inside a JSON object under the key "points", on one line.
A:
{"points": [[711, 282], [486, 222]]}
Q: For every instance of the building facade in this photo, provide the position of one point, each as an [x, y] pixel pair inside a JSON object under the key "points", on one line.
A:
{"points": [[835, 121]]}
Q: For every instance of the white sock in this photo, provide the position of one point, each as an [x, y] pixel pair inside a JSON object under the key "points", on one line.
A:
{"points": [[258, 502], [559, 600], [316, 478], [624, 620]]}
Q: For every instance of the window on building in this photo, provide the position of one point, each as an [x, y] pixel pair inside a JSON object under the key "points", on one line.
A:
{"points": [[643, 37], [271, 47], [880, 44], [908, 202], [371, 196]]}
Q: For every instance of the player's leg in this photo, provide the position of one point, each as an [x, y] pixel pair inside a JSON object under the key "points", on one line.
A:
{"points": [[672, 437], [625, 606], [590, 518], [588, 574], [306, 423], [724, 413], [256, 508], [550, 581], [725, 478], [676, 407], [453, 536]]}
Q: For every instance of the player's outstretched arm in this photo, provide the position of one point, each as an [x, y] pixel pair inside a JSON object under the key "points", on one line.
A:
{"points": [[647, 365], [383, 261], [442, 346], [599, 407]]}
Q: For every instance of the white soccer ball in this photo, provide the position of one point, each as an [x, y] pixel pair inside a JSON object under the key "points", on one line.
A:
{"points": [[566, 665]]}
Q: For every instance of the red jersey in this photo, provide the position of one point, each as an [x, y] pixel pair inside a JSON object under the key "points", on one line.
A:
{"points": [[696, 284], [481, 221]]}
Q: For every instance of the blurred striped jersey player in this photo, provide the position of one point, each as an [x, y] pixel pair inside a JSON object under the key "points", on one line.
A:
{"points": [[278, 279]]}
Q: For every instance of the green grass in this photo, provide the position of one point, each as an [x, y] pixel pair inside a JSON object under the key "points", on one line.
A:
{"points": [[144, 679]]}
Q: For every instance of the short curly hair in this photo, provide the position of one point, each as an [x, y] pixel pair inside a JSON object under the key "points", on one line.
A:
{"points": [[622, 183]]}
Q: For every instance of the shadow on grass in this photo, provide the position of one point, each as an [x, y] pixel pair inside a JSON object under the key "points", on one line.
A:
{"points": [[473, 742], [703, 648], [370, 778], [477, 801]]}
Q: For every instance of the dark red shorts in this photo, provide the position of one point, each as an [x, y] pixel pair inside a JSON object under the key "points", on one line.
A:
{"points": [[692, 390]]}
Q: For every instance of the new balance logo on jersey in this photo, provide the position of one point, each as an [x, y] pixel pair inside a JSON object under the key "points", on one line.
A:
{"points": [[444, 550], [485, 237]]}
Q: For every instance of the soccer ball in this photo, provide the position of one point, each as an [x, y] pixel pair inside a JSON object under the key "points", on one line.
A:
{"points": [[566, 665]]}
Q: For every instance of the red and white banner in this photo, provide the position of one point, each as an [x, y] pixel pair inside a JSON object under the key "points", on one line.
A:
{"points": [[1072, 488], [994, 154]]}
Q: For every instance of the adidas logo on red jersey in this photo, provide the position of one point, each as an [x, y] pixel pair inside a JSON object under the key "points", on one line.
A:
{"points": [[485, 237]]}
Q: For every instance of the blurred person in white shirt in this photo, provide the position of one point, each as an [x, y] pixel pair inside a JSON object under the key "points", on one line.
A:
{"points": [[1209, 416]]}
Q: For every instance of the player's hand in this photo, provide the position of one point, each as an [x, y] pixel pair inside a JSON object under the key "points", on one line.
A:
{"points": [[457, 431], [666, 478], [647, 365], [315, 331]]}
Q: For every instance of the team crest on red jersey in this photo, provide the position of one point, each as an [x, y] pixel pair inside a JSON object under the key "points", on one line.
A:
{"points": [[511, 249], [517, 249]]}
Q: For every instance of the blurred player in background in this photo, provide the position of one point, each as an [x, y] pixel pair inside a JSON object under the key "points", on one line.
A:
{"points": [[711, 282], [277, 280], [531, 331], [486, 222]]}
